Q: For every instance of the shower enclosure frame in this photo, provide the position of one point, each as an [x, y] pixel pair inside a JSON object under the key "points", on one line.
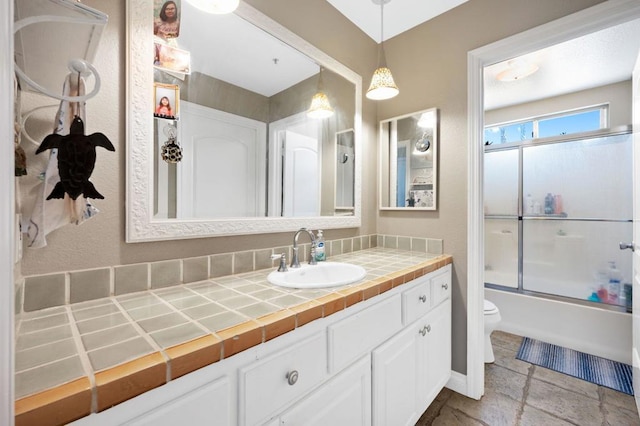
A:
{"points": [[521, 218]]}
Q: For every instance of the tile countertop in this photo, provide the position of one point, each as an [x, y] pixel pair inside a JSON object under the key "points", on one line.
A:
{"points": [[81, 358]]}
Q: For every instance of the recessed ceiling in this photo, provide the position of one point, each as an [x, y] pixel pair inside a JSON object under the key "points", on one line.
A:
{"points": [[597, 59], [399, 15]]}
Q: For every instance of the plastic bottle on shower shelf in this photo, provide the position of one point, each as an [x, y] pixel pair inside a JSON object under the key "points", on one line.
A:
{"points": [[548, 204], [320, 253], [615, 278], [528, 204], [557, 204]]}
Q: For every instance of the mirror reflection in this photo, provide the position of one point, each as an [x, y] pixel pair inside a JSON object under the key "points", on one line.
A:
{"points": [[408, 161], [248, 147]]}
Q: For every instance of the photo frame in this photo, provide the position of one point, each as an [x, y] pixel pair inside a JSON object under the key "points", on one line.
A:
{"points": [[166, 101], [166, 18], [172, 59]]}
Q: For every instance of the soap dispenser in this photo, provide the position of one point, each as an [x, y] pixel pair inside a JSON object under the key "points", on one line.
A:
{"points": [[320, 248]]}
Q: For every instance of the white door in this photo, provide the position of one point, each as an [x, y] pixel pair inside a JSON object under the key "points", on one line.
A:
{"points": [[636, 231], [222, 173], [301, 176]]}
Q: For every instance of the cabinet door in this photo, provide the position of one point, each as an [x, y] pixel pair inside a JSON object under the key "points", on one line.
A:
{"points": [[343, 401], [397, 374], [207, 405], [437, 350]]}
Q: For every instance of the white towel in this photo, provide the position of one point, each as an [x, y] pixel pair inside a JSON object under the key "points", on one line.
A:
{"points": [[49, 215]]}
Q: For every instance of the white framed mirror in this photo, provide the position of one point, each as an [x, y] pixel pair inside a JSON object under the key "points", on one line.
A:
{"points": [[409, 161], [166, 200]]}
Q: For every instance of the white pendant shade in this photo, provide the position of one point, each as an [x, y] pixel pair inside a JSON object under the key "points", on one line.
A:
{"points": [[218, 7], [382, 85], [320, 107]]}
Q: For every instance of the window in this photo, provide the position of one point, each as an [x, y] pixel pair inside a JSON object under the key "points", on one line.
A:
{"points": [[564, 123]]}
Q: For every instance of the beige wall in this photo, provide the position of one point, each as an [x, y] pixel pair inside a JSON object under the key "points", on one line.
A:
{"points": [[429, 64]]}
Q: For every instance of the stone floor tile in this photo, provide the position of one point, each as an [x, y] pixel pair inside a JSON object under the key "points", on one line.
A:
{"points": [[616, 416], [450, 417], [506, 340], [434, 409], [619, 399], [506, 358], [533, 417], [494, 408], [504, 381], [568, 405], [566, 382]]}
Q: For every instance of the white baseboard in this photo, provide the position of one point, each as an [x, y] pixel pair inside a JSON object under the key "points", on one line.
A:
{"points": [[458, 383]]}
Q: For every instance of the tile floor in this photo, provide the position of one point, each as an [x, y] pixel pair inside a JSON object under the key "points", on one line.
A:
{"points": [[518, 393]]}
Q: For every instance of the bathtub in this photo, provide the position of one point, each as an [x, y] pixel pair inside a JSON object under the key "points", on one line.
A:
{"points": [[592, 330]]}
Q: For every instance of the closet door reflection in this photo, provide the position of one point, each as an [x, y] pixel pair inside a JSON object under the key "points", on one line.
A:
{"points": [[501, 210]]}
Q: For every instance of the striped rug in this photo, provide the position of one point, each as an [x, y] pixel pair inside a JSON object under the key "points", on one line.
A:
{"points": [[601, 371]]}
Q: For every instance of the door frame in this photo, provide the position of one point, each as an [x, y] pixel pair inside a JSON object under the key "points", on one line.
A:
{"points": [[595, 18], [7, 217]]}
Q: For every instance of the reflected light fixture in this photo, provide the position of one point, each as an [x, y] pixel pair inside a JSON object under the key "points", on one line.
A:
{"points": [[320, 106], [218, 7], [382, 84], [517, 69], [427, 120]]}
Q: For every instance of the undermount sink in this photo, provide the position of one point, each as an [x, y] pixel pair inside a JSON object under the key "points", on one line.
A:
{"points": [[322, 275]]}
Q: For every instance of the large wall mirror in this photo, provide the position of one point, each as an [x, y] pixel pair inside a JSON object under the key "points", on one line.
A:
{"points": [[219, 137], [409, 161]]}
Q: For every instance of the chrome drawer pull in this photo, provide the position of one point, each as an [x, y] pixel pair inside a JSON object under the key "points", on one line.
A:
{"points": [[424, 330], [445, 286], [292, 377], [423, 298]]}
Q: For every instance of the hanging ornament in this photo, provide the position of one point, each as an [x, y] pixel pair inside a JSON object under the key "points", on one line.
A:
{"points": [[171, 150]]}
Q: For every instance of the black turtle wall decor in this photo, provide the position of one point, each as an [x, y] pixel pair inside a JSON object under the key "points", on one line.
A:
{"points": [[76, 160]]}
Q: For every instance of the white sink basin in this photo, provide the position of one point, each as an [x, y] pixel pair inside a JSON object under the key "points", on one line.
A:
{"points": [[322, 275]]}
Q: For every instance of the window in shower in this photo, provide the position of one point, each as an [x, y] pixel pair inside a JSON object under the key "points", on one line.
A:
{"points": [[564, 123], [573, 206]]}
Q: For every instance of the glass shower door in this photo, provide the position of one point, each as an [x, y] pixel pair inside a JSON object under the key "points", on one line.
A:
{"points": [[577, 208], [501, 208]]}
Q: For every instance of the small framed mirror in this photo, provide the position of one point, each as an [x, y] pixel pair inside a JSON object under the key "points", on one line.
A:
{"points": [[409, 161]]}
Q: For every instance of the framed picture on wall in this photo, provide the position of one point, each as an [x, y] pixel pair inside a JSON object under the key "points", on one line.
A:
{"points": [[166, 101]]}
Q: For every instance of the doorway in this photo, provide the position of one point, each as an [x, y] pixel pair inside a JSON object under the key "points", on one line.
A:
{"points": [[593, 19]]}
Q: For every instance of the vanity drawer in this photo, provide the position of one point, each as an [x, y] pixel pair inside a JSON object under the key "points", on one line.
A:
{"points": [[441, 286], [416, 301], [269, 385], [356, 335]]}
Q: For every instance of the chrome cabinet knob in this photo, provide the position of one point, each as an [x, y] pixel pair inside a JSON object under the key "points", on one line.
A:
{"points": [[292, 377], [424, 330], [423, 298], [445, 286]]}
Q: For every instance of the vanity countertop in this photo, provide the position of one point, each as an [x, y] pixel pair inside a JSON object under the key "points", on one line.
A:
{"points": [[86, 357]]}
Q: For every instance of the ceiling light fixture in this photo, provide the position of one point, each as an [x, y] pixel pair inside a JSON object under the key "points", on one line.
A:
{"points": [[517, 69], [320, 106], [218, 7], [382, 84]]}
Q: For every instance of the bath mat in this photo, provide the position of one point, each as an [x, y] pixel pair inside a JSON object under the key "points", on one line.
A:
{"points": [[601, 371]]}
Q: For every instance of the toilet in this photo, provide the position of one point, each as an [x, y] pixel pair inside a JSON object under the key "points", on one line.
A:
{"points": [[491, 320]]}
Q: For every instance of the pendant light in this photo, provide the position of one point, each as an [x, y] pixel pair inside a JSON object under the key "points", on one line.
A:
{"points": [[320, 106], [218, 7], [382, 84]]}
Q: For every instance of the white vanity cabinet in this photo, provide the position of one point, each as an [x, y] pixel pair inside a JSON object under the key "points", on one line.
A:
{"points": [[411, 368], [381, 361]]}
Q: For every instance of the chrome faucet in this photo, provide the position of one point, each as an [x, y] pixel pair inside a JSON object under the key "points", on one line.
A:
{"points": [[295, 263]]}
